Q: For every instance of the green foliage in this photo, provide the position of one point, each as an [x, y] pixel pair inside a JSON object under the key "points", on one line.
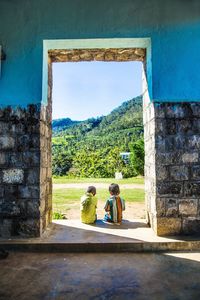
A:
{"points": [[99, 163], [92, 148], [137, 156], [58, 216], [61, 162]]}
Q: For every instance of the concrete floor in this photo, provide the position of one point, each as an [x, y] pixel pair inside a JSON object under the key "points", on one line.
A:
{"points": [[73, 231], [133, 231], [74, 236], [28, 276]]}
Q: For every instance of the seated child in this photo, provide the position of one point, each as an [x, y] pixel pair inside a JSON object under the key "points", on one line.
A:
{"points": [[114, 205], [88, 206]]}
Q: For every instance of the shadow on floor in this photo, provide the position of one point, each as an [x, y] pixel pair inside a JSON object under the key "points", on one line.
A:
{"points": [[75, 231], [125, 225], [130, 231]]}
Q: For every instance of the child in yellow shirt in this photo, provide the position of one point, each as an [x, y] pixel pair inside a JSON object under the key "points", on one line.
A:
{"points": [[88, 206]]}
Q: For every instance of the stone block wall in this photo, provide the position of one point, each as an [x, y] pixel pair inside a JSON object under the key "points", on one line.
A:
{"points": [[172, 166], [24, 209]]}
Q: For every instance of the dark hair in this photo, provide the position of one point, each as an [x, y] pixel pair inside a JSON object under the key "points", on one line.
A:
{"points": [[91, 189], [114, 189]]}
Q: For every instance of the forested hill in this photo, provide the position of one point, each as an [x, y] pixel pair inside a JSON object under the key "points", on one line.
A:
{"points": [[92, 148], [62, 124], [126, 116]]}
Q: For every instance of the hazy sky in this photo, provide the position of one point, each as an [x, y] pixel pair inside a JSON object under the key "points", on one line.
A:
{"points": [[89, 89]]}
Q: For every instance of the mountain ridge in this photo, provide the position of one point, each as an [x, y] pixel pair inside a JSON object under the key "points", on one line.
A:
{"points": [[132, 106], [92, 148], [63, 123]]}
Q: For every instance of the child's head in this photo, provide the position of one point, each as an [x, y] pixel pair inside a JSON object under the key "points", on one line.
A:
{"points": [[91, 189], [114, 189]]}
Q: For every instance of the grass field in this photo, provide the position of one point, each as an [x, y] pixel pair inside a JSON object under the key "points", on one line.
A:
{"points": [[65, 179], [65, 200], [71, 195]]}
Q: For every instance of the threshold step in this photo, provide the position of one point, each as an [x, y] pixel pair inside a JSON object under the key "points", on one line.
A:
{"points": [[74, 236], [101, 247]]}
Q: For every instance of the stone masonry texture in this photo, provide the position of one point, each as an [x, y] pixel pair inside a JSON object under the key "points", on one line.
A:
{"points": [[110, 54], [25, 176], [172, 166]]}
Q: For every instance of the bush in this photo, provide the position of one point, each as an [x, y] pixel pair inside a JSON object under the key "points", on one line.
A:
{"points": [[137, 156], [58, 216]]}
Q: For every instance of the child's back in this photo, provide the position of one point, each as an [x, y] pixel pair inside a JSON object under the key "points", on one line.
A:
{"points": [[114, 205], [88, 206]]}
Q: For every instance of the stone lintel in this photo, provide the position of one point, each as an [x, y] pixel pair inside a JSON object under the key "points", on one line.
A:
{"points": [[110, 54]]}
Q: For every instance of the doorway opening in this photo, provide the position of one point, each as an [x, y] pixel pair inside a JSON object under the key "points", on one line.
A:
{"points": [[79, 145]]}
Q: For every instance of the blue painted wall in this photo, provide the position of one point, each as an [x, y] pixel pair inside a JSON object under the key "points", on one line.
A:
{"points": [[172, 25]]}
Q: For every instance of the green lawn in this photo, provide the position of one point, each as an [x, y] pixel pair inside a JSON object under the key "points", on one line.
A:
{"points": [[66, 199], [71, 195], [65, 179]]}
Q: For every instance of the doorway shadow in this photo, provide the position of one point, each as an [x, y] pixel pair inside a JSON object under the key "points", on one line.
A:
{"points": [[125, 225], [131, 231], [75, 231]]}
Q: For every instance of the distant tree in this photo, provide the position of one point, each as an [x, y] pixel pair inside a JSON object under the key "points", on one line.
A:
{"points": [[61, 162], [137, 156]]}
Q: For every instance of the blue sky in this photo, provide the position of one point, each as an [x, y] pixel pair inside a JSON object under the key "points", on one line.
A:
{"points": [[89, 89]]}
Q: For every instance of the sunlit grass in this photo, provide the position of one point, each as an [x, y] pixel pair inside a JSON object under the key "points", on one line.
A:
{"points": [[65, 179], [66, 199]]}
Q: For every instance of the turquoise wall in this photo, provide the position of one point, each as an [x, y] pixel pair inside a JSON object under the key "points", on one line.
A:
{"points": [[172, 25]]}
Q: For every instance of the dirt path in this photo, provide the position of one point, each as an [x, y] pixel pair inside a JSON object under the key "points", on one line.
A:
{"points": [[134, 210], [98, 185]]}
